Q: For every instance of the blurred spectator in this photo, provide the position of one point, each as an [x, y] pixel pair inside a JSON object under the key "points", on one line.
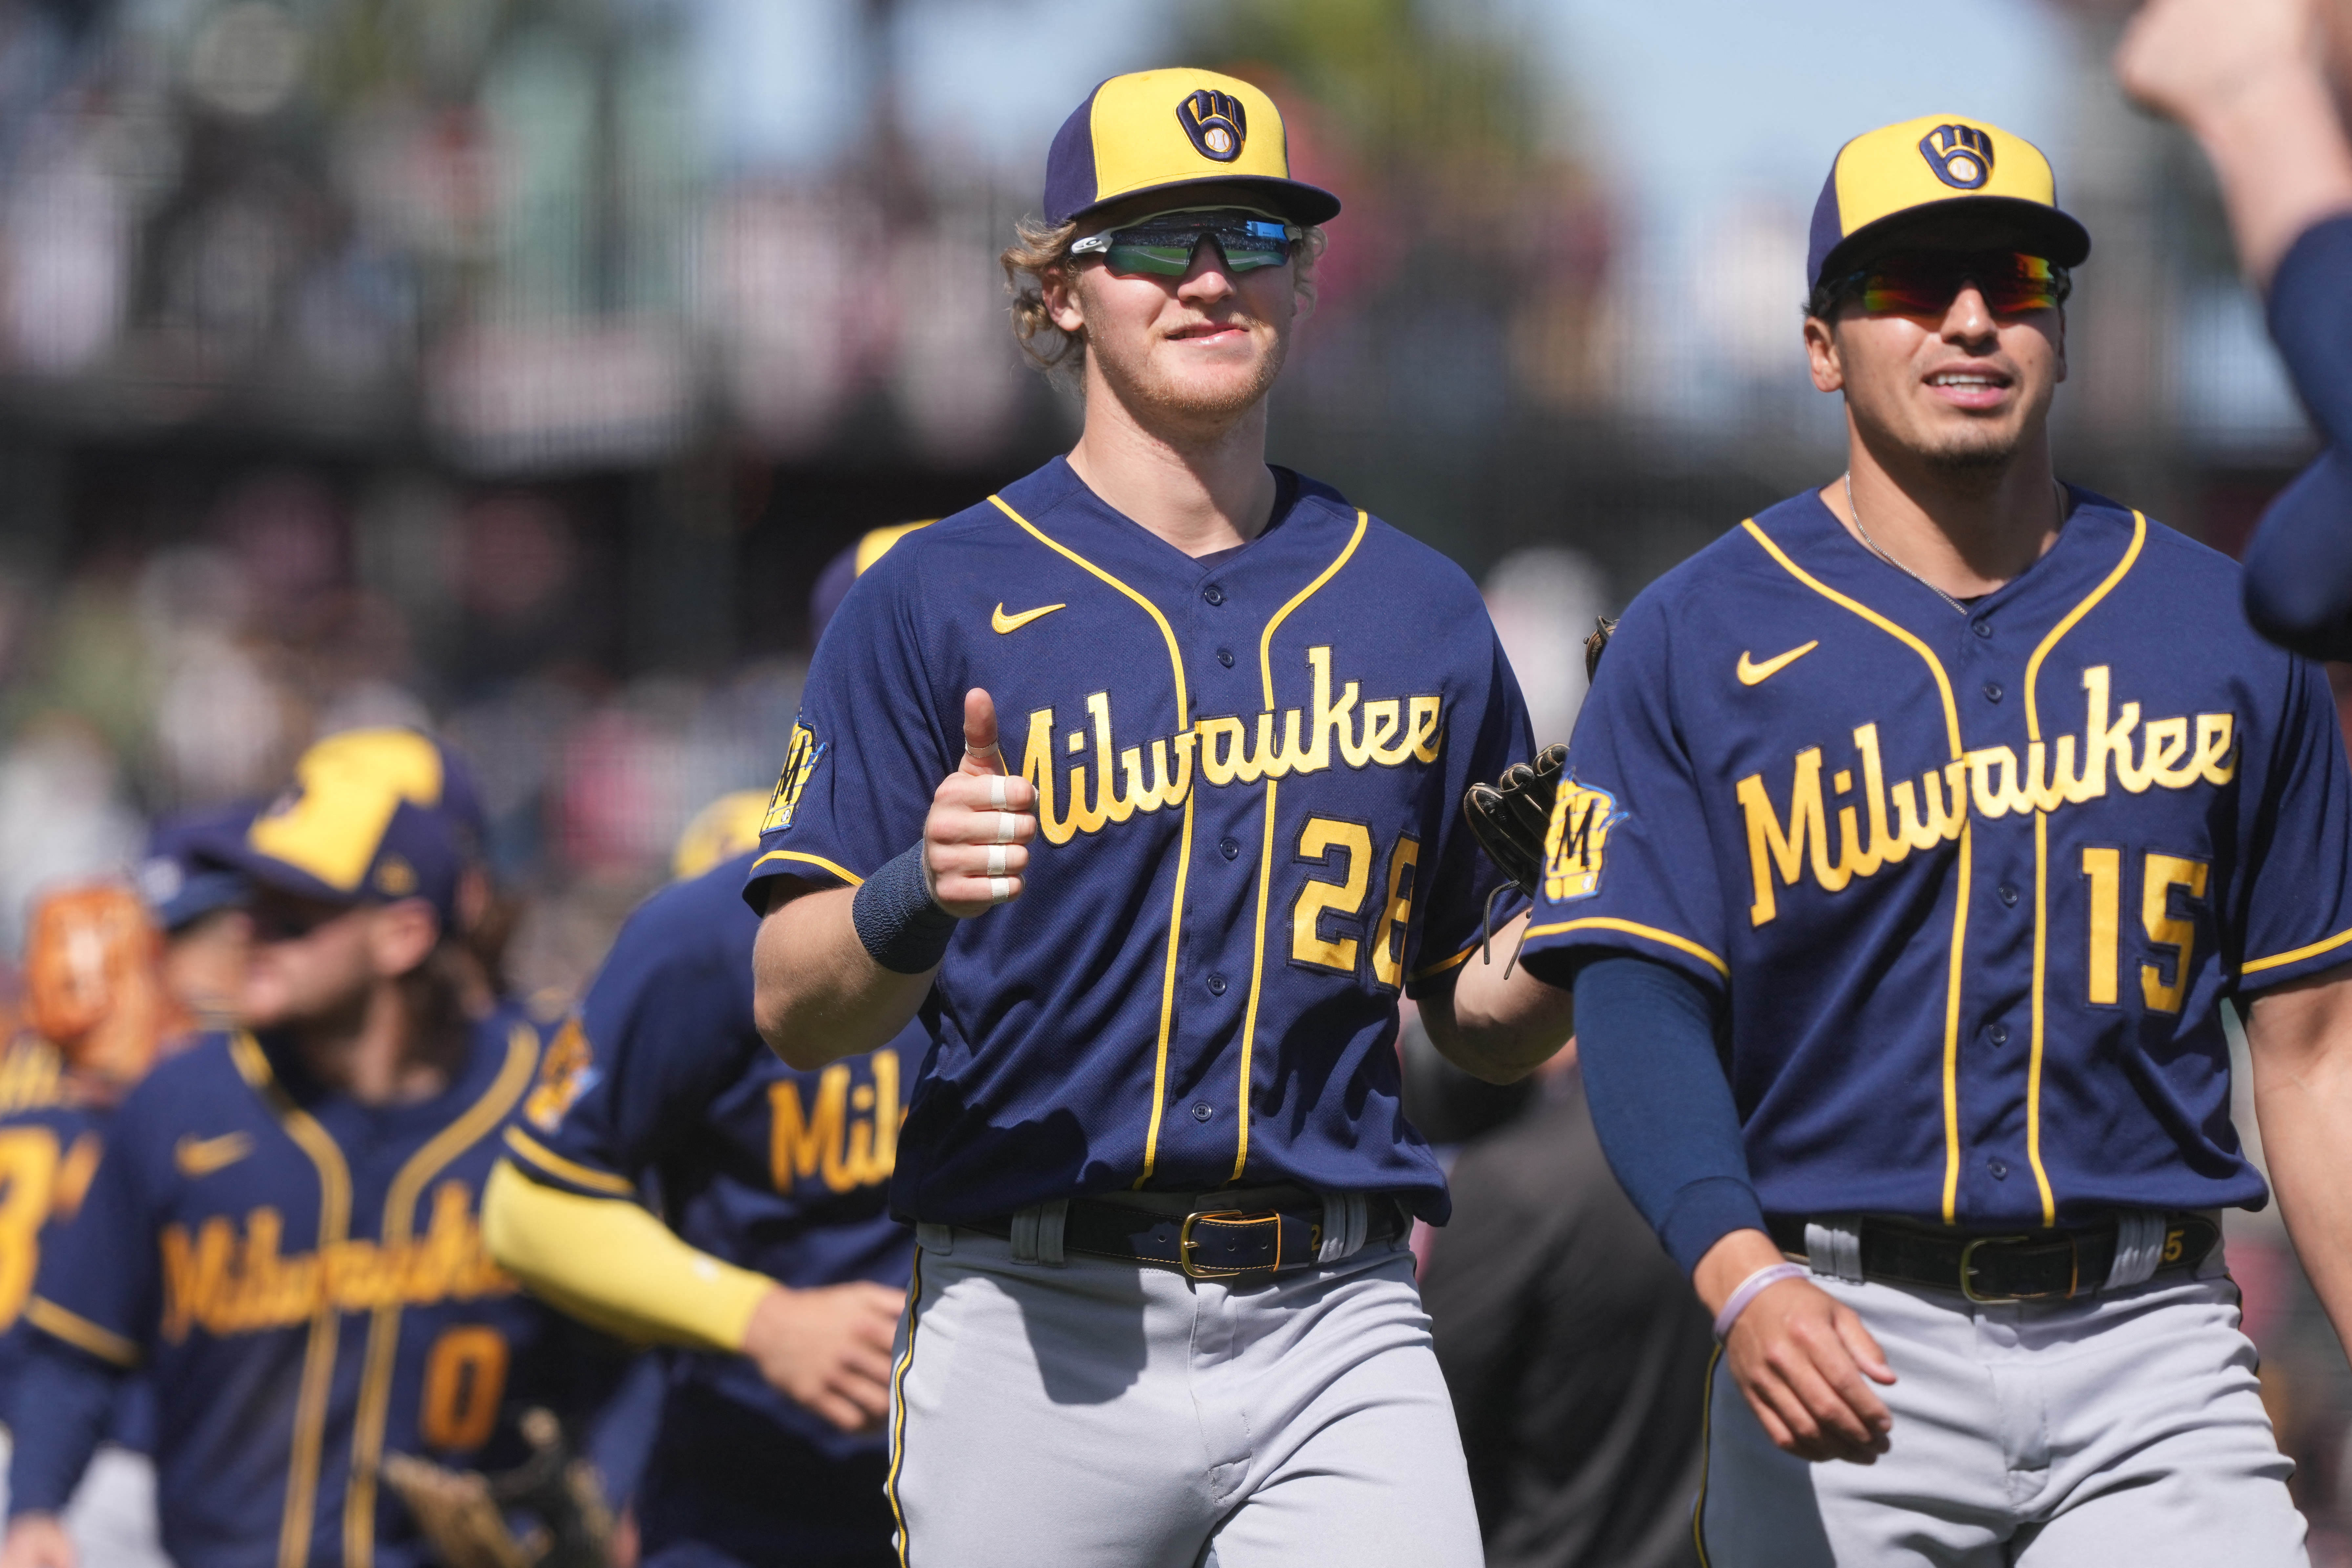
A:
{"points": [[1576, 1353]]}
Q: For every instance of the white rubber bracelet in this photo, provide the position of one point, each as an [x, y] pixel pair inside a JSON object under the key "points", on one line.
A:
{"points": [[1000, 888], [996, 860], [1755, 1285], [996, 791], [1005, 824]]}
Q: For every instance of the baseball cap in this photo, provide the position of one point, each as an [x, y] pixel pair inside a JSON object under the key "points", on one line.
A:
{"points": [[179, 885], [834, 583], [1151, 131], [1926, 174], [373, 816], [725, 829]]}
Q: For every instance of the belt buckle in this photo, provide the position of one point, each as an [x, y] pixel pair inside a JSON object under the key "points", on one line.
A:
{"points": [[1185, 1244], [1967, 1261]]}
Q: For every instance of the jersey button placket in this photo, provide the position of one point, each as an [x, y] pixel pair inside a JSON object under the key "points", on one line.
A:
{"points": [[1213, 595]]}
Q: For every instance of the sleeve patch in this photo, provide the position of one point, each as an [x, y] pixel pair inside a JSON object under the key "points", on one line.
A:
{"points": [[568, 1071], [1582, 816], [801, 758]]}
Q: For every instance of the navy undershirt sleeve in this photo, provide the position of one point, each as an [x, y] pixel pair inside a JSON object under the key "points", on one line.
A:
{"points": [[1645, 1043], [2298, 584], [62, 1400]]}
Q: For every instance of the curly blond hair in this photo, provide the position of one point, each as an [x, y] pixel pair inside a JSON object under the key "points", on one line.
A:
{"points": [[1041, 250]]}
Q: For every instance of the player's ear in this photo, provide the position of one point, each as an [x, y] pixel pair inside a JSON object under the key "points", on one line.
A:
{"points": [[1821, 355], [402, 936], [2059, 342], [1059, 287]]}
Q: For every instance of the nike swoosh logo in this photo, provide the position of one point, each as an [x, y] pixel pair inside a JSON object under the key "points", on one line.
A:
{"points": [[1751, 673], [1004, 623], [200, 1157]]}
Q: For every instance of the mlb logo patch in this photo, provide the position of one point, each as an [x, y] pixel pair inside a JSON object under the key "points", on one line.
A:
{"points": [[1582, 816], [801, 758]]}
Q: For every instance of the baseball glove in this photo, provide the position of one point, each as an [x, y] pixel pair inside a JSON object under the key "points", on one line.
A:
{"points": [[1511, 818], [1603, 628], [464, 1513], [94, 981]]}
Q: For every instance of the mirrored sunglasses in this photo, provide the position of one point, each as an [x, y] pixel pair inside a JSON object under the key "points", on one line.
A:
{"points": [[1164, 245], [1925, 283]]}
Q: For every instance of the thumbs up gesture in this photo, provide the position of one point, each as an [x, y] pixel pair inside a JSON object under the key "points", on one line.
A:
{"points": [[976, 838]]}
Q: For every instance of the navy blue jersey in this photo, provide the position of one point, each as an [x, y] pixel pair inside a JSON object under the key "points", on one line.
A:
{"points": [[663, 1087], [1972, 884], [303, 1278], [49, 1150], [1249, 840]]}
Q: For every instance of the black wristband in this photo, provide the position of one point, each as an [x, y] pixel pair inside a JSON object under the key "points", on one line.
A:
{"points": [[902, 925]]}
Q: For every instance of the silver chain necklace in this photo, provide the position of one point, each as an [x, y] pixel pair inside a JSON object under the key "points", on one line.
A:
{"points": [[1880, 550]]}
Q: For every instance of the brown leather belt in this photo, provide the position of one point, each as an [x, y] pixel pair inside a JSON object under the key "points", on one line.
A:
{"points": [[1209, 1243], [1994, 1267]]}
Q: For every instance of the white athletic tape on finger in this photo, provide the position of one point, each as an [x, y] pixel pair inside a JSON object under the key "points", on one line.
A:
{"points": [[1006, 823], [996, 791], [996, 859], [1000, 888]]}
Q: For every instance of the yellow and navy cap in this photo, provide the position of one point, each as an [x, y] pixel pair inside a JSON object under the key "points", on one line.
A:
{"points": [[1945, 175], [1149, 131], [373, 816], [725, 829]]}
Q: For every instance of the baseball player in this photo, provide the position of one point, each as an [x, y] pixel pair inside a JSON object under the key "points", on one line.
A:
{"points": [[1951, 805], [282, 1230], [99, 1011], [1162, 1310], [774, 1266], [2244, 77]]}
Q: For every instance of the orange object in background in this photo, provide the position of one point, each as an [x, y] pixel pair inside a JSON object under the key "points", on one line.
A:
{"points": [[93, 983]]}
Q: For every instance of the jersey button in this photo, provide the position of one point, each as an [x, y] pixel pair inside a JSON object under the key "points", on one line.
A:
{"points": [[1202, 1111], [1224, 655], [1216, 985], [1214, 594], [1229, 847], [1993, 690], [2000, 1169], [1984, 628], [1997, 1034], [2008, 895]]}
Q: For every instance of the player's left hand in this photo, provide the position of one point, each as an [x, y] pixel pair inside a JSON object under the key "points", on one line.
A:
{"points": [[1512, 817], [829, 1349]]}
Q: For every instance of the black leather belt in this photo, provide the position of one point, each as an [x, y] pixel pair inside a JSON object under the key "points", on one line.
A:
{"points": [[1996, 1267], [1209, 1243]]}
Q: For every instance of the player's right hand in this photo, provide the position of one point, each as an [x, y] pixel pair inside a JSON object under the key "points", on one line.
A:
{"points": [[1802, 1357], [976, 838], [37, 1541], [827, 1348]]}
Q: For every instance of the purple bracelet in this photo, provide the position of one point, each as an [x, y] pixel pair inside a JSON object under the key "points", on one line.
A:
{"points": [[1755, 1285]]}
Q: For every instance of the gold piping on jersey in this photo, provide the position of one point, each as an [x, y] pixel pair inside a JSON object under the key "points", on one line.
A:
{"points": [[80, 1332], [1631, 928], [1960, 902], [2041, 859], [1184, 845], [1266, 855], [852, 877], [319, 1355], [383, 1330], [1705, 1454], [2330, 944], [531, 1148], [899, 1404]]}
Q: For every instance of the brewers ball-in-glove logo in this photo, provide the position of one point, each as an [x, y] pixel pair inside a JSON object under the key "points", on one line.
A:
{"points": [[1215, 123], [566, 1072], [1961, 155], [801, 758], [1580, 818]]}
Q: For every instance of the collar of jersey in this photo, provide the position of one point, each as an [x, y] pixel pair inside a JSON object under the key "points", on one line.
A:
{"points": [[1063, 491], [1811, 527]]}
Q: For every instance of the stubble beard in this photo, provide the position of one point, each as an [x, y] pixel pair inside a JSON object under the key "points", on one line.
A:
{"points": [[1202, 407]]}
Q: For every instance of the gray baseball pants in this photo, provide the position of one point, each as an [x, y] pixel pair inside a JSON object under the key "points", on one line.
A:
{"points": [[2124, 1431], [1097, 1412]]}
